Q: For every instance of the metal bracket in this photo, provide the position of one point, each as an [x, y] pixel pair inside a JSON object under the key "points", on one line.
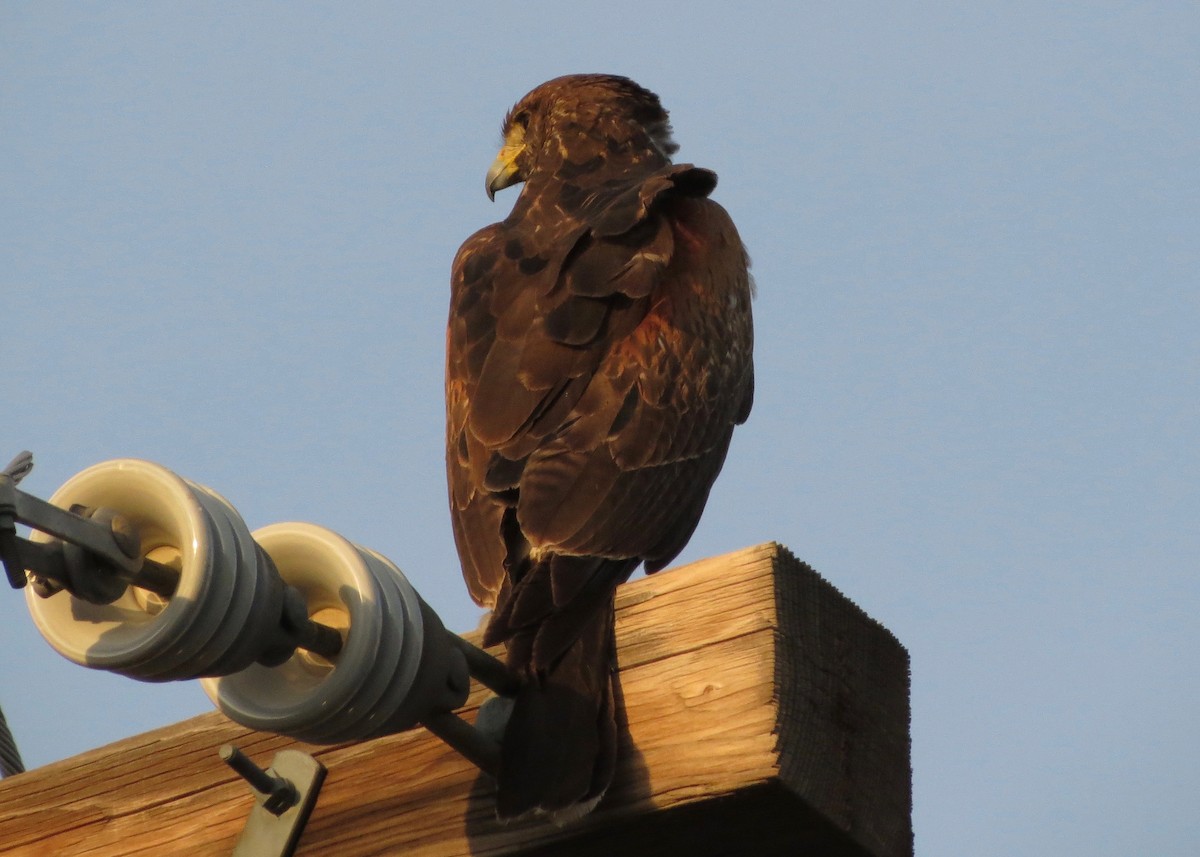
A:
{"points": [[285, 794], [110, 547], [479, 746]]}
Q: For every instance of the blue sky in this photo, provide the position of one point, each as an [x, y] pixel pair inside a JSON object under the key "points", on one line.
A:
{"points": [[227, 231]]}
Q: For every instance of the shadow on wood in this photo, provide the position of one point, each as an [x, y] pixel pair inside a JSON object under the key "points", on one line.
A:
{"points": [[764, 714]]}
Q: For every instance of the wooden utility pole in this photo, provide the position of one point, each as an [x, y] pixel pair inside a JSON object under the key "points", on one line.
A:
{"points": [[764, 714]]}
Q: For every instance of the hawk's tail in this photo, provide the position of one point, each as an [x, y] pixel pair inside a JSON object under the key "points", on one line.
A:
{"points": [[560, 745]]}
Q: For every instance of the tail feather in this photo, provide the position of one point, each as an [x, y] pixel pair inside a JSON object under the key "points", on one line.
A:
{"points": [[560, 745]]}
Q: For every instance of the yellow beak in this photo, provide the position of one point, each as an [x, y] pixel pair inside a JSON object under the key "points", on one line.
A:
{"points": [[503, 171]]}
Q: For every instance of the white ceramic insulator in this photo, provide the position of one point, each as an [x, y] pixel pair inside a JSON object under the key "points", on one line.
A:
{"points": [[214, 615], [125, 635], [394, 667]]}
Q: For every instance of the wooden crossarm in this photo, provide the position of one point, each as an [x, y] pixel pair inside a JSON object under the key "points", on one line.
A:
{"points": [[764, 714]]}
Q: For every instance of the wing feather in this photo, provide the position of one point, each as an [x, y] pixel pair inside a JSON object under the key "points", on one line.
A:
{"points": [[597, 362]]}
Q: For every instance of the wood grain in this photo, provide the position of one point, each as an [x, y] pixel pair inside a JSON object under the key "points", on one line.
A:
{"points": [[764, 714]]}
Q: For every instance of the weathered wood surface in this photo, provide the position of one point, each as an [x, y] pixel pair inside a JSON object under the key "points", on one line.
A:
{"points": [[765, 714]]}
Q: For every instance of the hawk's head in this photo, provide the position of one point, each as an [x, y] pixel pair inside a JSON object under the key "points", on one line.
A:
{"points": [[577, 124]]}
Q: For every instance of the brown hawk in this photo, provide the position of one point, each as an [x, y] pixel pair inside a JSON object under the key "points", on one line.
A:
{"points": [[598, 359]]}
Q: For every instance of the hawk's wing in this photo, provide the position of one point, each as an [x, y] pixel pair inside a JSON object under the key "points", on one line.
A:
{"points": [[598, 359]]}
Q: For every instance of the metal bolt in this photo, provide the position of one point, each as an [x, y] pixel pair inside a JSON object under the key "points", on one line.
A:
{"points": [[277, 794], [490, 671]]}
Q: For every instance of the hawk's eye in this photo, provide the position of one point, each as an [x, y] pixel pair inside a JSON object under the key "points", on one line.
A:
{"points": [[521, 120]]}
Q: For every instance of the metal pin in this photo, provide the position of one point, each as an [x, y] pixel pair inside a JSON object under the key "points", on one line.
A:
{"points": [[476, 747], [487, 670], [277, 793]]}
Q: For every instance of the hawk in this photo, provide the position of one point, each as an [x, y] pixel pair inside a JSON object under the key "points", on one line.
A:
{"points": [[598, 358]]}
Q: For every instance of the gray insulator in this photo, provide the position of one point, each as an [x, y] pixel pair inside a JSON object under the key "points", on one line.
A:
{"points": [[225, 609], [397, 664]]}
